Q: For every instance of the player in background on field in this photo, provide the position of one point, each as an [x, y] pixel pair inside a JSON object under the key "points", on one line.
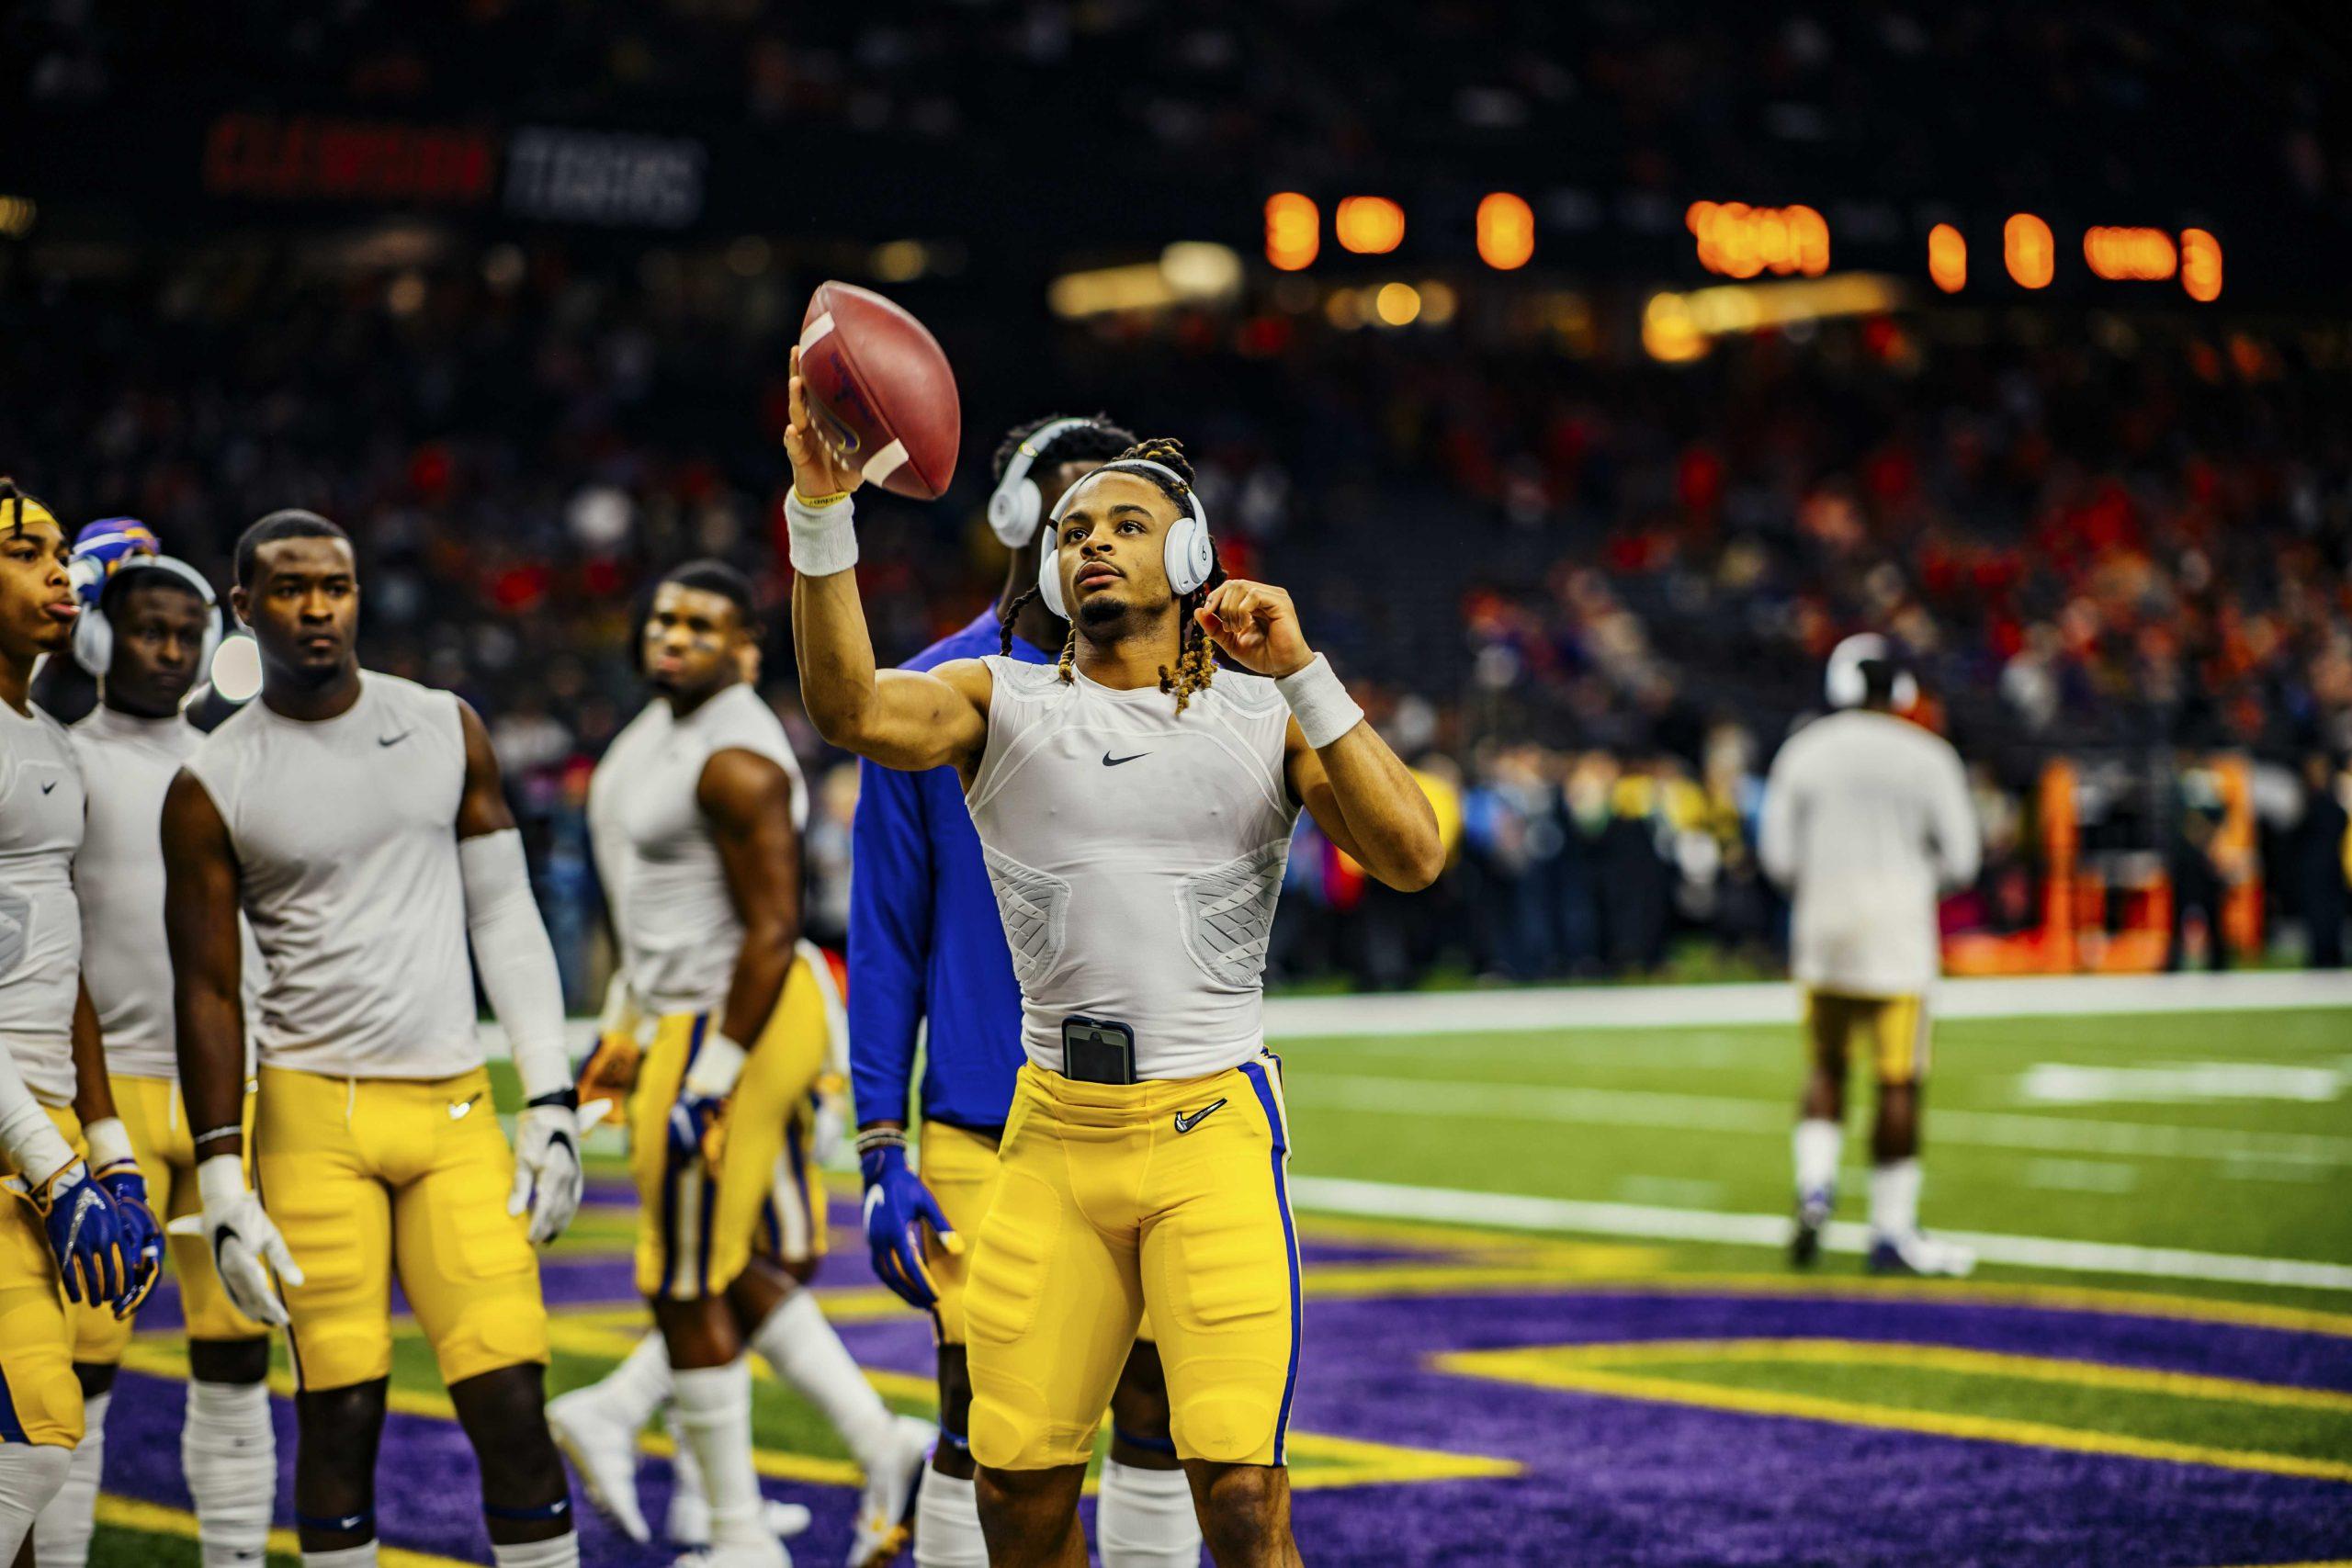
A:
{"points": [[62, 1222], [146, 640], [1143, 1164], [696, 811], [359, 821], [927, 958], [1867, 822]]}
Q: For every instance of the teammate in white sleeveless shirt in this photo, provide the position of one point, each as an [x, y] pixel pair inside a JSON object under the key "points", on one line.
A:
{"points": [[359, 820], [1867, 821], [1135, 813], [59, 1224], [696, 812], [146, 641]]}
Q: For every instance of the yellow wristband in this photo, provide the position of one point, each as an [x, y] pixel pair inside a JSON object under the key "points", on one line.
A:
{"points": [[818, 502]]}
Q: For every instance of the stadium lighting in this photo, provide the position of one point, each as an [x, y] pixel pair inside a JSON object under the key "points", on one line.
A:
{"points": [[1947, 258], [2120, 254], [1294, 230], [1369, 225], [1740, 240], [1506, 230], [1397, 304], [2200, 266], [1676, 327], [236, 667], [2029, 250]]}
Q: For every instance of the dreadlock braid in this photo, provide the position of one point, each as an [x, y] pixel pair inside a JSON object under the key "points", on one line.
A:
{"points": [[1004, 623], [1195, 660], [1068, 662]]}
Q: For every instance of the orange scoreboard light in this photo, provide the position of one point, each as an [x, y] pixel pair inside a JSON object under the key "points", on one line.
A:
{"points": [[1506, 230], [2029, 250], [1368, 225], [1739, 241], [2120, 254], [1294, 230], [1947, 258], [2200, 266]]}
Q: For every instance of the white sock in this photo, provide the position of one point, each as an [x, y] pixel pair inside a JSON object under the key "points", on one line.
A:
{"points": [[229, 1452], [635, 1390], [1144, 1518], [30, 1474], [1895, 1198], [948, 1525], [714, 1407], [557, 1551], [1818, 1143], [61, 1536], [360, 1556], [685, 1475], [801, 1347]]}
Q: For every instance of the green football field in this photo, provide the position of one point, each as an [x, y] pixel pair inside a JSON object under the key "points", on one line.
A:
{"points": [[2192, 1167]]}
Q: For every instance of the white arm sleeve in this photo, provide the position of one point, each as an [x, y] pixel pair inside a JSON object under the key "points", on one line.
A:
{"points": [[515, 958], [31, 1141], [1959, 848], [1776, 834]]}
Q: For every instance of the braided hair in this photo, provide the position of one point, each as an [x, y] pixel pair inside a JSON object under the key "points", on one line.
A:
{"points": [[1096, 441]]}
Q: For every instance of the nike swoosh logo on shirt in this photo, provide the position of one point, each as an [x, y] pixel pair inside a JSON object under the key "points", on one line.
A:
{"points": [[49, 785], [1186, 1122], [394, 740], [1111, 762]]}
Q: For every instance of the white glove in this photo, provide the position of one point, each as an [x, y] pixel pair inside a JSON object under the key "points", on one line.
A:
{"points": [[245, 1241], [547, 1165]]}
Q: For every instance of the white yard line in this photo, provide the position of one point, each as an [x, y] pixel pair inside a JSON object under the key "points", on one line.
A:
{"points": [[1622, 1007], [1510, 1210], [1723, 1114]]}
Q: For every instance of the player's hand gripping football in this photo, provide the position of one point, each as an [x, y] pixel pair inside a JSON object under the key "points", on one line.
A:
{"points": [[548, 1179], [897, 1205], [818, 467], [245, 1242], [1255, 624]]}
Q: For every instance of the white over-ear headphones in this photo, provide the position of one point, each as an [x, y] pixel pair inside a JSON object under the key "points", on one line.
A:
{"points": [[94, 633], [1186, 551], [1842, 682], [1017, 505]]}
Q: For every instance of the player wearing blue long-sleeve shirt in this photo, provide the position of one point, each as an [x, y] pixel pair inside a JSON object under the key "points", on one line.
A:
{"points": [[927, 959]]}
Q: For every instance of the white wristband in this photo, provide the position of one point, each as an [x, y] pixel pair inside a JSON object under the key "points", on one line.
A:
{"points": [[108, 1142], [717, 1066], [824, 540], [1321, 705]]}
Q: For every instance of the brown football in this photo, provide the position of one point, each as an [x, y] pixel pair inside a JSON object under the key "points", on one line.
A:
{"points": [[881, 390]]}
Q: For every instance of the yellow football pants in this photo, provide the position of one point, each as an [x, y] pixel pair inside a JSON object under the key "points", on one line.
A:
{"points": [[40, 1400], [1113, 1197], [372, 1177], [699, 1228], [1895, 1027]]}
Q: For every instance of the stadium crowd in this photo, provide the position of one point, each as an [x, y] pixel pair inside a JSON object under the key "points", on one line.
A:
{"points": [[2130, 541]]}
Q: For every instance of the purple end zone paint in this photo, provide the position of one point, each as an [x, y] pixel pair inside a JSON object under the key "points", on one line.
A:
{"points": [[1607, 1480]]}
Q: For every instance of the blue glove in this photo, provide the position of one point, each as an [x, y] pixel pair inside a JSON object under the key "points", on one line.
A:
{"points": [[143, 1238], [896, 1203], [86, 1233], [698, 1127]]}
